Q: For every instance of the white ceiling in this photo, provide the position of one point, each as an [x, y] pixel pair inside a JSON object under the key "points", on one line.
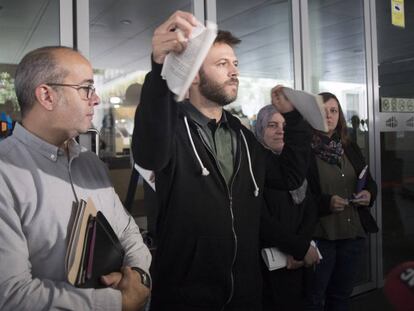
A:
{"points": [[264, 27]]}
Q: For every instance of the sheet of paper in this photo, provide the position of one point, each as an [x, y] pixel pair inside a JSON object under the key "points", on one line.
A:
{"points": [[147, 175]]}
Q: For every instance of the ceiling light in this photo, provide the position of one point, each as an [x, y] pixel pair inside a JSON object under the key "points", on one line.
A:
{"points": [[125, 21], [115, 100]]}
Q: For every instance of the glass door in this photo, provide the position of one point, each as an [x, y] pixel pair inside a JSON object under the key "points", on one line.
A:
{"points": [[336, 62], [395, 123]]}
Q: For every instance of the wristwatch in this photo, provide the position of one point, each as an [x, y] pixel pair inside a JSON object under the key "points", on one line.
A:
{"points": [[145, 278]]}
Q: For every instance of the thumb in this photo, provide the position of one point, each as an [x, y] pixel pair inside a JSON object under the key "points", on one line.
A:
{"points": [[110, 279]]}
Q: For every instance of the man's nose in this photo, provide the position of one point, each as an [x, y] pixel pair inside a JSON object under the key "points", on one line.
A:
{"points": [[95, 100], [234, 71]]}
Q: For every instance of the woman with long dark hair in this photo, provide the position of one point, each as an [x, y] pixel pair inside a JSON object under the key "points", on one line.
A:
{"points": [[334, 169]]}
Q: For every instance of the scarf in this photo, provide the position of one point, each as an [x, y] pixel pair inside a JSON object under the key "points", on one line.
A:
{"points": [[328, 149]]}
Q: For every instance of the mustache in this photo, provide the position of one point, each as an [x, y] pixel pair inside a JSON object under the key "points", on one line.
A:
{"points": [[232, 81]]}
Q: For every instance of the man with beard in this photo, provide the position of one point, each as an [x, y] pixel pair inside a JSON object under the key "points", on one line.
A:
{"points": [[209, 174]]}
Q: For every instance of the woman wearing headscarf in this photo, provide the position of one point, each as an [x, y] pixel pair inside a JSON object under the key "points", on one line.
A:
{"points": [[293, 217], [334, 169]]}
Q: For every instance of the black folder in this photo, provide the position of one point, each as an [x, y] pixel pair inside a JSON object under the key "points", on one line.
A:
{"points": [[102, 254]]}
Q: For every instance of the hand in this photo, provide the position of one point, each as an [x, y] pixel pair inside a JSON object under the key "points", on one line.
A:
{"points": [[111, 279], [311, 257], [280, 101], [166, 39], [293, 264], [338, 204], [134, 293], [363, 198]]}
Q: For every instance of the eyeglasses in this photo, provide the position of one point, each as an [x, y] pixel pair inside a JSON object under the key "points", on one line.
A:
{"points": [[88, 90]]}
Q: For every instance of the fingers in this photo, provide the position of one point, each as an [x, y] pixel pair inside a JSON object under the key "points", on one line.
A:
{"points": [[311, 257], [362, 198], [279, 100], [134, 294], [111, 279], [184, 21], [338, 204], [172, 35]]}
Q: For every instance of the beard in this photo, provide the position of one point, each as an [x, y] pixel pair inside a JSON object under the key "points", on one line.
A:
{"points": [[214, 91]]}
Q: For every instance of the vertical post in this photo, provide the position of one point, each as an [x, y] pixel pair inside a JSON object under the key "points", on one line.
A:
{"points": [[66, 23], [296, 45], [82, 27]]}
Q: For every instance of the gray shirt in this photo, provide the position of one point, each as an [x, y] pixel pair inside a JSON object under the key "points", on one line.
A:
{"points": [[39, 183]]}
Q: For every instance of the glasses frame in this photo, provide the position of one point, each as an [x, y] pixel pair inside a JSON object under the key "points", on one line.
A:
{"points": [[90, 89]]}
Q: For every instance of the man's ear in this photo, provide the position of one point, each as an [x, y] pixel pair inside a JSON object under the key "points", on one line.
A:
{"points": [[196, 80], [45, 96]]}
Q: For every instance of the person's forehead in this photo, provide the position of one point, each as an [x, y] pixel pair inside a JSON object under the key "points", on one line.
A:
{"points": [[331, 103], [277, 117], [76, 65], [221, 50]]}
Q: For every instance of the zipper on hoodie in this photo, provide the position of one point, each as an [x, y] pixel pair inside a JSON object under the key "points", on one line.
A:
{"points": [[230, 197], [234, 235]]}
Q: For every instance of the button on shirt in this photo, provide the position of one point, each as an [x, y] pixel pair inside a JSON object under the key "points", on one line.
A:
{"points": [[39, 183]]}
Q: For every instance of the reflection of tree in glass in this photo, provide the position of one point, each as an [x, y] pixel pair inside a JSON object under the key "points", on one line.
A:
{"points": [[7, 93]]}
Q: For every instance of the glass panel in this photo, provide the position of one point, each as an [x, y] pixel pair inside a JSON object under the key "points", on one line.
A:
{"points": [[265, 53], [120, 51], [397, 169], [22, 30], [396, 80], [338, 66]]}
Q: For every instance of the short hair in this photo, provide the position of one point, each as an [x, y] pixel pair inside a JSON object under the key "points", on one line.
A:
{"points": [[224, 36], [37, 67], [341, 128], [263, 118]]}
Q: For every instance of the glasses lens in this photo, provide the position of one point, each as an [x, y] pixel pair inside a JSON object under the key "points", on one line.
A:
{"points": [[89, 90]]}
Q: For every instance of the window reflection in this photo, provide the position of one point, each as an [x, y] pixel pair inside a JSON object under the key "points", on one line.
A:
{"points": [[22, 30], [120, 51], [265, 53], [338, 60]]}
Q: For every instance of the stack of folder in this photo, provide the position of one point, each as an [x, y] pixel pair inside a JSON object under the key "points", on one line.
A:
{"points": [[93, 250]]}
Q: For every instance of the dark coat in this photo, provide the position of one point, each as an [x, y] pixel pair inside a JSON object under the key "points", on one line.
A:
{"points": [[294, 224]]}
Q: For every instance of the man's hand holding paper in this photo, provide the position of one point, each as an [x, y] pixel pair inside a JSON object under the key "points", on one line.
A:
{"points": [[166, 39]]}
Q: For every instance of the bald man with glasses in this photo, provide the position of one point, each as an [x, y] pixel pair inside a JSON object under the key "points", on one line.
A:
{"points": [[42, 172]]}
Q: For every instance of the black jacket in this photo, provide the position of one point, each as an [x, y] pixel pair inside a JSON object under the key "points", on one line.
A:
{"points": [[354, 154], [208, 233], [293, 224]]}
